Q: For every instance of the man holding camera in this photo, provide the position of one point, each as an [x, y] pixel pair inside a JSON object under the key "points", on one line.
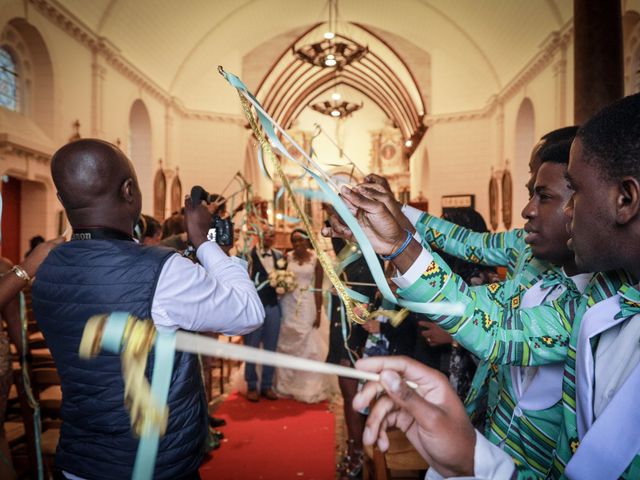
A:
{"points": [[262, 262], [102, 270]]}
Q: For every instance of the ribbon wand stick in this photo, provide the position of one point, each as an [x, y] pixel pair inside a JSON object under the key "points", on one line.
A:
{"points": [[192, 343]]}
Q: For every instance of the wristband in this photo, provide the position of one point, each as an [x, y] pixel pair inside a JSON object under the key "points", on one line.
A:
{"points": [[399, 250], [21, 273]]}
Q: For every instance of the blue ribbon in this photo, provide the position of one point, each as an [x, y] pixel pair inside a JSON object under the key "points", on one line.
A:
{"points": [[160, 381], [342, 210], [165, 344]]}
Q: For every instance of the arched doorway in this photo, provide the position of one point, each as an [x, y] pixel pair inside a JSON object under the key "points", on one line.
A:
{"points": [[524, 141], [23, 215], [140, 151]]}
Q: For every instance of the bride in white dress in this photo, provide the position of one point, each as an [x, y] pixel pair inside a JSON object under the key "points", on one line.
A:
{"points": [[299, 329]]}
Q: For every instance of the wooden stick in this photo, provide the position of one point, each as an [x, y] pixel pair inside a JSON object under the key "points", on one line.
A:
{"points": [[192, 343]]}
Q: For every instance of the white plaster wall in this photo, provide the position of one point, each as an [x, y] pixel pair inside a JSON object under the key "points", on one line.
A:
{"points": [[460, 156], [210, 153]]}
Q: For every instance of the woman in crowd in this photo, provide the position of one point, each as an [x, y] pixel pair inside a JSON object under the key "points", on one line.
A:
{"points": [[346, 343], [12, 281], [301, 314]]}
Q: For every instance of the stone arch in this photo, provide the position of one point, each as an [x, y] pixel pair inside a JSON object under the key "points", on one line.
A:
{"points": [[34, 66], [140, 150], [525, 138], [631, 23]]}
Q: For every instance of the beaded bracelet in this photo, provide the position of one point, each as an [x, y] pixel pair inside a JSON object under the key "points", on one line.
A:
{"points": [[399, 250]]}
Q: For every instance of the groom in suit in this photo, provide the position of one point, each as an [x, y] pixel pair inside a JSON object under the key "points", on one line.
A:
{"points": [[262, 262]]}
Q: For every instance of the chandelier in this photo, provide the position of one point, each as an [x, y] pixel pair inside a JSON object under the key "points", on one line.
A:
{"points": [[331, 52], [336, 108]]}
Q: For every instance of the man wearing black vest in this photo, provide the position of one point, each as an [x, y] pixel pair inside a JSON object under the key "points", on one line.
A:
{"points": [[264, 261], [102, 270]]}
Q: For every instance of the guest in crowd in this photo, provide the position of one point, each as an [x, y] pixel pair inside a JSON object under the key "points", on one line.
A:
{"points": [[102, 270], [148, 230], [455, 361], [33, 243], [301, 315], [604, 214], [264, 260], [174, 232], [346, 344], [13, 278]]}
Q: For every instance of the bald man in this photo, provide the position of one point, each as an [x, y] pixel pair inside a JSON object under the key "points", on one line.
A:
{"points": [[102, 270]]}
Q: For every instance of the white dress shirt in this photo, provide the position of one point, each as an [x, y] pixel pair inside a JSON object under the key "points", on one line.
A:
{"points": [[601, 373], [216, 296]]}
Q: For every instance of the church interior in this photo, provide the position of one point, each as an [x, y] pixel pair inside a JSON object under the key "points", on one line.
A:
{"points": [[445, 99]]}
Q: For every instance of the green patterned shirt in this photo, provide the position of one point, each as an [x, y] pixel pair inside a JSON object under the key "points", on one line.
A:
{"points": [[506, 335], [529, 437]]}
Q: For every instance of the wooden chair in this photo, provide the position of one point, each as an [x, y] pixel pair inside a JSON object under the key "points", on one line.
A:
{"points": [[401, 456], [50, 433]]}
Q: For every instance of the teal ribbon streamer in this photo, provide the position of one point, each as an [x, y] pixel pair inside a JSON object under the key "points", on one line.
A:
{"points": [[165, 345], [332, 197], [165, 348], [37, 425]]}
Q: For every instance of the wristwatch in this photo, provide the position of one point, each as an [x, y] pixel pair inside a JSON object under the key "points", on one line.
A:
{"points": [[21, 273]]}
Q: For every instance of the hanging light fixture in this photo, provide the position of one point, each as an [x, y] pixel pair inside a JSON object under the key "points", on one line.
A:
{"points": [[333, 51], [336, 107]]}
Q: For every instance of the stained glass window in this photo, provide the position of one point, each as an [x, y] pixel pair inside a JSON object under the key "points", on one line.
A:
{"points": [[8, 81]]}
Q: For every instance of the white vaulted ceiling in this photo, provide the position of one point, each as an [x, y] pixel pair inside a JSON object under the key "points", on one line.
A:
{"points": [[476, 46]]}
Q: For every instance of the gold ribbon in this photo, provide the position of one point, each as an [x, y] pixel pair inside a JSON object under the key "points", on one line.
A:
{"points": [[356, 312], [137, 341]]}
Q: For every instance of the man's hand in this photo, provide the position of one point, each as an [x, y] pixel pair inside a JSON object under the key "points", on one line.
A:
{"points": [[37, 256], [372, 326], [385, 195], [337, 229], [434, 335], [431, 416], [377, 222], [198, 220]]}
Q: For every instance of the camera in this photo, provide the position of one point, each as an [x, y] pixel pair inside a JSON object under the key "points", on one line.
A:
{"points": [[221, 229]]}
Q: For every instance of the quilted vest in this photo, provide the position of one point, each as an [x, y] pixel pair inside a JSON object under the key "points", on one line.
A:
{"points": [[82, 278]]}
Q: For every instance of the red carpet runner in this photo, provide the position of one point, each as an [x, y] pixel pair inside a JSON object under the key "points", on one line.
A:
{"points": [[273, 440]]}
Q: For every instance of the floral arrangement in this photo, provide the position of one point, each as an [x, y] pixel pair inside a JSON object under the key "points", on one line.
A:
{"points": [[281, 279]]}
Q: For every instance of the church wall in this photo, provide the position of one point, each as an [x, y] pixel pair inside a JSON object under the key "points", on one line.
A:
{"points": [[210, 153], [459, 155], [462, 148]]}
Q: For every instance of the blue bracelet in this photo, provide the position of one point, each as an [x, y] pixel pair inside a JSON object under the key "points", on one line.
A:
{"points": [[400, 250]]}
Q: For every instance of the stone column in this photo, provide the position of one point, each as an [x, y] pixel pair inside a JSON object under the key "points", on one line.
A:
{"points": [[560, 74], [599, 73], [98, 73]]}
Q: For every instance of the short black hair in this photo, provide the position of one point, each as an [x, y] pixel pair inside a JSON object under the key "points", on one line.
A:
{"points": [[557, 145], [611, 139]]}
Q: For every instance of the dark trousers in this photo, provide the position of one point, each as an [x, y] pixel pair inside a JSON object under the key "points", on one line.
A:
{"points": [[267, 335]]}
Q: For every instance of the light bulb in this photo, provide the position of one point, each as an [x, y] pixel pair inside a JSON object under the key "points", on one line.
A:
{"points": [[279, 216], [336, 96], [329, 35], [335, 113], [408, 143], [330, 62]]}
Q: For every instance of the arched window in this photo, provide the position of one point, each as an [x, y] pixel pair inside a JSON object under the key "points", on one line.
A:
{"points": [[8, 81]]}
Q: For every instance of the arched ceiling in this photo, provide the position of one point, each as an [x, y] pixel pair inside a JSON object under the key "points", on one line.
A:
{"points": [[476, 46]]}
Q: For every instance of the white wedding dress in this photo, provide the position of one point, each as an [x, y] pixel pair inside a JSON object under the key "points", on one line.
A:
{"points": [[299, 338]]}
